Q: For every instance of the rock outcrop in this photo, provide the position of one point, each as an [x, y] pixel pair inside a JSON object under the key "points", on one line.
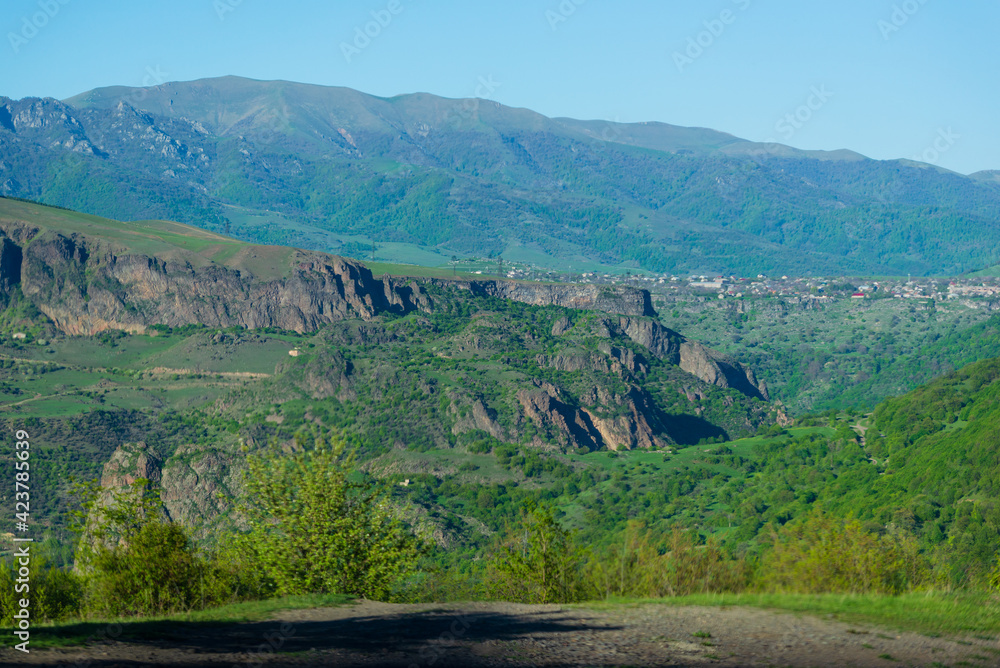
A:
{"points": [[718, 369], [589, 428], [86, 288], [666, 344], [131, 462], [607, 299], [196, 484]]}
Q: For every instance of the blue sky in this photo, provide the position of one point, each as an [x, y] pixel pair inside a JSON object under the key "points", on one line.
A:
{"points": [[887, 78]]}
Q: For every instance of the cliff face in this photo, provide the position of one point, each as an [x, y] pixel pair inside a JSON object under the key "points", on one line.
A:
{"points": [[586, 427], [709, 365], [196, 484], [86, 287], [619, 299]]}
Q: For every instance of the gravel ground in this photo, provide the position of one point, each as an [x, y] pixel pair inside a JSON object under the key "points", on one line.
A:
{"points": [[502, 634]]}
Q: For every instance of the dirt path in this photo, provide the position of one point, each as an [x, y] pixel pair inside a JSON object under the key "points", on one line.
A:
{"points": [[501, 634]]}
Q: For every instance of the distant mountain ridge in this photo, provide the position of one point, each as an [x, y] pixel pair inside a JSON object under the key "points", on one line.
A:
{"points": [[314, 166], [251, 106]]}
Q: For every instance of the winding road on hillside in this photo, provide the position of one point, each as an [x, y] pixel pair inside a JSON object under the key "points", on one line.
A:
{"points": [[503, 634]]}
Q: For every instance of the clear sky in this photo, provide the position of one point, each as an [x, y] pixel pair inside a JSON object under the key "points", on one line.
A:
{"points": [[887, 78]]}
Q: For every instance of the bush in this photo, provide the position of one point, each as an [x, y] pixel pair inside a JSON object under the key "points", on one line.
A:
{"points": [[536, 562], [156, 572], [636, 566], [823, 555], [131, 561], [55, 594], [313, 530]]}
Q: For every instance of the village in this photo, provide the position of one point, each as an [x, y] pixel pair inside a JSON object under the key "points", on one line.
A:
{"points": [[761, 285]]}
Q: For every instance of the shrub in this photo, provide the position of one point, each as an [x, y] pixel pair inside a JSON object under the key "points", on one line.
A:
{"points": [[536, 562], [314, 530], [156, 572], [132, 561], [823, 555], [54, 593], [635, 566]]}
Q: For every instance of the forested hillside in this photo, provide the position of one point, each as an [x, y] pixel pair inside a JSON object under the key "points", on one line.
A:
{"points": [[465, 438], [823, 355], [426, 178]]}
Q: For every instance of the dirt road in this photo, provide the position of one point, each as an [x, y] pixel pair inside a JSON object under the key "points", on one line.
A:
{"points": [[500, 634]]}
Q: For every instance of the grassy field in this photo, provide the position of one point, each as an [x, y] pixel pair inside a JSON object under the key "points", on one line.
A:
{"points": [[73, 375], [930, 613], [380, 269], [162, 239]]}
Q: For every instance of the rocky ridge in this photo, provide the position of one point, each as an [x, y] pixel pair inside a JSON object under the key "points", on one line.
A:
{"points": [[619, 299], [196, 484], [86, 286], [707, 364]]}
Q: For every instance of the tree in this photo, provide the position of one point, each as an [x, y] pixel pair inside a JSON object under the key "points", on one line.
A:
{"points": [[821, 554], [537, 562], [134, 561], [316, 530]]}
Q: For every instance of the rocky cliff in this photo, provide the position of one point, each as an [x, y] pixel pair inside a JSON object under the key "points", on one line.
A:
{"points": [[709, 365], [618, 299], [87, 285], [196, 484]]}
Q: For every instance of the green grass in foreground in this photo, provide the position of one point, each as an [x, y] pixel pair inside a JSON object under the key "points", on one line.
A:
{"points": [[929, 613], [176, 626]]}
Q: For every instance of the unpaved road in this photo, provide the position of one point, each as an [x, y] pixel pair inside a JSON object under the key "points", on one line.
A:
{"points": [[502, 634]]}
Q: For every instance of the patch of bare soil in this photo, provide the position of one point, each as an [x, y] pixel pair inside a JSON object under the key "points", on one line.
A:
{"points": [[504, 634]]}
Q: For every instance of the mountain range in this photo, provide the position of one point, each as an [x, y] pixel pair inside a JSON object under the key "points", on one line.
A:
{"points": [[424, 179]]}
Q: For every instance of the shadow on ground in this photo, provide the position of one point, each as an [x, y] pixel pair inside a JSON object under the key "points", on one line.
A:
{"points": [[432, 638]]}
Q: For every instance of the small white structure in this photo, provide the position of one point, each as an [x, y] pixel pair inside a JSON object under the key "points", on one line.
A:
{"points": [[294, 353], [20, 336]]}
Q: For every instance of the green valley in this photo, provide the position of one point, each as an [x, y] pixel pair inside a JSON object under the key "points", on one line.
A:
{"points": [[471, 415]]}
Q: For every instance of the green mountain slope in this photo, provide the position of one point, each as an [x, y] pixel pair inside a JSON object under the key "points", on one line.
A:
{"points": [[212, 347], [842, 353], [325, 168]]}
